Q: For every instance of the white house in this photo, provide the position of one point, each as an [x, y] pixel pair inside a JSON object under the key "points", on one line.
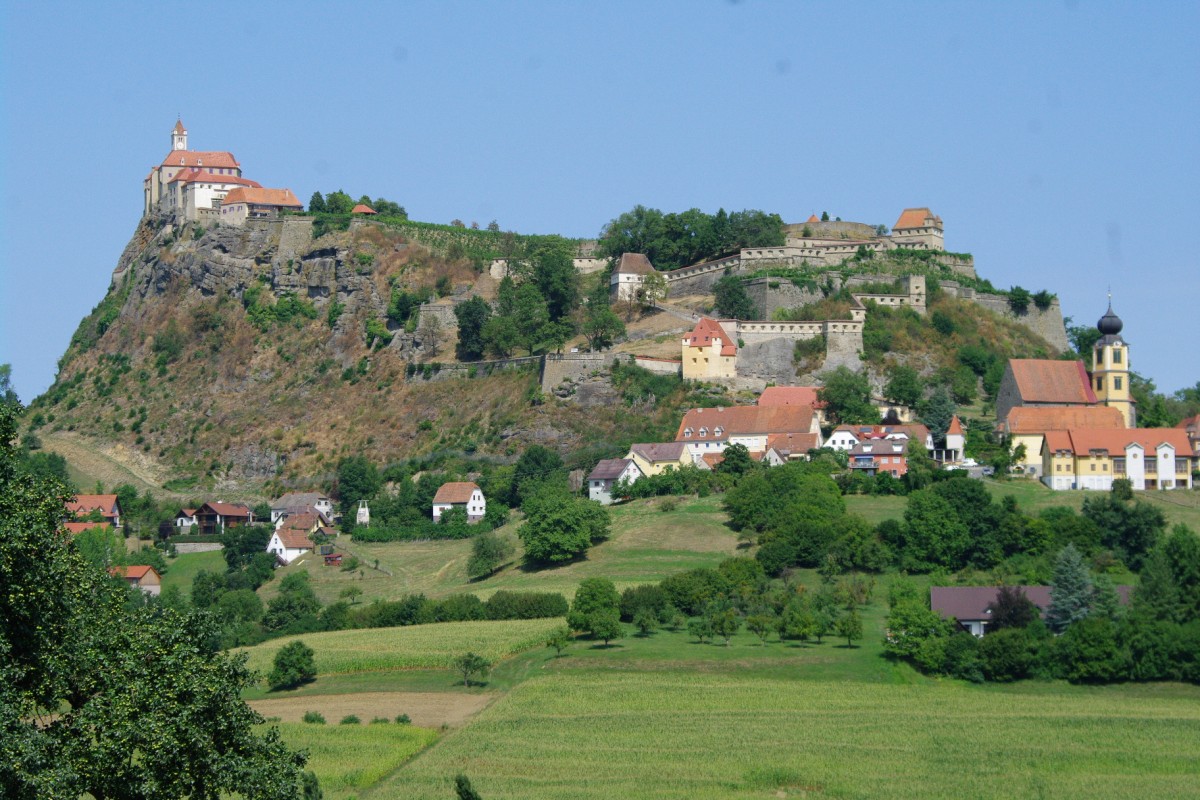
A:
{"points": [[288, 544], [218, 164], [845, 437], [299, 502], [197, 194], [460, 494], [607, 474], [185, 519], [628, 276], [711, 430]]}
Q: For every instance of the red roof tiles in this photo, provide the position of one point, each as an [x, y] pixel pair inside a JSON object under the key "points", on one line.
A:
{"points": [[84, 504], [257, 196], [1114, 442], [1032, 419], [1042, 380], [201, 159], [743, 421], [363, 209], [955, 428], [80, 527], [455, 492], [634, 264], [790, 396], [193, 175], [708, 330], [916, 218]]}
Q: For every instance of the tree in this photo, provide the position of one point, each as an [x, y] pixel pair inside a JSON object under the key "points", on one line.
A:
{"points": [[1012, 609], [463, 788], [645, 621], [316, 204], [605, 625], [1070, 591], [732, 302], [761, 625], [357, 479], [850, 626], [737, 460], [537, 465], [1007, 655], [654, 289], [1090, 653], [847, 397], [470, 664], [555, 276], [559, 639], [294, 665], [904, 386], [601, 327], [1018, 300], [531, 314], [339, 202], [594, 595], [1130, 529], [501, 336], [144, 705], [724, 619], [701, 628], [936, 412], [488, 552], [351, 593]]}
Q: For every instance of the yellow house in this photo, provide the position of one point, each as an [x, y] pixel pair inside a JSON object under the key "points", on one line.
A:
{"points": [[1027, 425], [1149, 458], [1110, 367], [709, 352], [655, 458]]}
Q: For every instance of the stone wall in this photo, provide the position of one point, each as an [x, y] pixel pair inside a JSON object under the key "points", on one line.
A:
{"points": [[442, 312], [198, 547], [700, 278], [771, 294], [832, 229], [1048, 324], [473, 369], [659, 366], [559, 367]]}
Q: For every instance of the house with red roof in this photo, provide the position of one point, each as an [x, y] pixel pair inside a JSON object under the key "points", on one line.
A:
{"points": [[655, 458], [255, 202], [214, 517], [293, 538], [873, 456], [709, 351], [1043, 383], [460, 494], [845, 437], [139, 576], [79, 527], [971, 606], [711, 430], [919, 227], [216, 166], [1149, 458], [84, 505]]}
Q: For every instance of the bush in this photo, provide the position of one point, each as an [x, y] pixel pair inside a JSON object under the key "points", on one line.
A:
{"points": [[314, 717], [526, 605], [1008, 654], [403, 719], [380, 721], [294, 666], [350, 719]]}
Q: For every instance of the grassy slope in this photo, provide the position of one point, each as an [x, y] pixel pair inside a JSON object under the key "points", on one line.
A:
{"points": [[181, 571], [647, 545]]}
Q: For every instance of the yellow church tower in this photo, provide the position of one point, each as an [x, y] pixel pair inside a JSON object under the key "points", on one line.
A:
{"points": [[1110, 367]]}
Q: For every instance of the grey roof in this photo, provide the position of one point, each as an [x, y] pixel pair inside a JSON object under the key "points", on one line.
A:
{"points": [[659, 451], [298, 500], [971, 603], [609, 469], [634, 264]]}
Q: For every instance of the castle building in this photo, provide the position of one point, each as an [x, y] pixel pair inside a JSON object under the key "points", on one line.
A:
{"points": [[216, 163], [628, 276], [256, 202], [919, 227], [709, 352]]}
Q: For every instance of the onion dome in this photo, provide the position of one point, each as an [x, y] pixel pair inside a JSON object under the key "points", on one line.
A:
{"points": [[1110, 324]]}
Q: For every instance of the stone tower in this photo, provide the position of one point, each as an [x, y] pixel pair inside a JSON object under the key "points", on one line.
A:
{"points": [[179, 136], [1110, 367]]}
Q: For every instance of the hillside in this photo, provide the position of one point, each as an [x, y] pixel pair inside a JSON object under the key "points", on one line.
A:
{"points": [[249, 360]]}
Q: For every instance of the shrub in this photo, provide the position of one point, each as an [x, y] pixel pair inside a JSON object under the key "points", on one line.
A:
{"points": [[380, 721], [403, 719], [314, 717], [294, 666], [350, 719]]}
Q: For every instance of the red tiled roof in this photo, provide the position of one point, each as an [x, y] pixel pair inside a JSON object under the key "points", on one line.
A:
{"points": [[80, 527], [1190, 424], [135, 572], [227, 509], [706, 331], [634, 264], [294, 539], [87, 503], [363, 209], [218, 159], [258, 196], [306, 522], [179, 127], [955, 426], [915, 218], [204, 176], [813, 218], [455, 492], [1114, 442], [792, 442], [1041, 380], [790, 396], [744, 420], [915, 431], [1032, 419]]}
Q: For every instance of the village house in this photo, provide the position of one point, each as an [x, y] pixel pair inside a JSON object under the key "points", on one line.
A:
{"points": [[709, 352], [213, 518], [711, 430], [255, 202], [845, 437], [657, 458], [607, 474], [139, 577], [106, 505], [185, 518], [1149, 458], [872, 456], [628, 276], [793, 396], [299, 503], [79, 527], [459, 494], [293, 538], [785, 447], [1028, 426], [971, 606]]}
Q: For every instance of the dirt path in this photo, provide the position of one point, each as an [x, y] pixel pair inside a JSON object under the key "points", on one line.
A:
{"points": [[426, 709]]}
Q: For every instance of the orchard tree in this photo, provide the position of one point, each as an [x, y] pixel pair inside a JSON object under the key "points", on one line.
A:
{"points": [[654, 289], [294, 665], [469, 664], [594, 596], [605, 625], [849, 625]]}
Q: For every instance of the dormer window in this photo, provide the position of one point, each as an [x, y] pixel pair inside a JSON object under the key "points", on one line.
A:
{"points": [[687, 432], [717, 431], [704, 431]]}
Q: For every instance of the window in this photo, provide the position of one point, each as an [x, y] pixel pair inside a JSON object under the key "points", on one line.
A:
{"points": [[704, 431], [1116, 357], [1099, 384], [1093, 466], [687, 432], [1117, 383]]}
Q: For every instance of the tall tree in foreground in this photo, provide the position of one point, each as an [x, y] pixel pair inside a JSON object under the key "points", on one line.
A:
{"points": [[1070, 591], [98, 700]]}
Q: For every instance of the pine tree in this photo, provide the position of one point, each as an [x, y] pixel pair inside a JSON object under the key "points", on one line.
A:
{"points": [[1070, 591]]}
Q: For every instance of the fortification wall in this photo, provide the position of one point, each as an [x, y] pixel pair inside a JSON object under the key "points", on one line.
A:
{"points": [[659, 366], [442, 312], [584, 265], [832, 229], [771, 294], [700, 278], [559, 367]]}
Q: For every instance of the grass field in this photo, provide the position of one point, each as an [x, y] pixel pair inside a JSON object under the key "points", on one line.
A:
{"points": [[689, 734], [182, 570], [351, 758], [413, 647], [647, 545]]}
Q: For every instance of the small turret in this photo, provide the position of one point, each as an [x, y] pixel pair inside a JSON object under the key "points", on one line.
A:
{"points": [[1110, 366], [1110, 324], [179, 136]]}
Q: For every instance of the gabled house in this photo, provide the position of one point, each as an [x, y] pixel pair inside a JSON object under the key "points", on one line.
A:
{"points": [[793, 396], [711, 430], [656, 458], [628, 276], [607, 474], [300, 502], [845, 437], [460, 494], [139, 577], [1149, 458], [709, 352], [185, 518], [1043, 383], [79, 527], [83, 505], [873, 456], [288, 544], [213, 518], [972, 606], [1028, 425], [785, 447], [256, 202]]}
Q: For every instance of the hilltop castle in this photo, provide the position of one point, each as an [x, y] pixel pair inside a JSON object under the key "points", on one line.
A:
{"points": [[207, 186]]}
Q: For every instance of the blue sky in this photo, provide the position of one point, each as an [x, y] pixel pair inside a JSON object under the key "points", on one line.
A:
{"points": [[1057, 141]]}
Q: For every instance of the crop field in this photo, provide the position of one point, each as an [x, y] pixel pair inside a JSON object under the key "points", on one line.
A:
{"points": [[413, 647], [647, 544], [685, 734], [350, 758]]}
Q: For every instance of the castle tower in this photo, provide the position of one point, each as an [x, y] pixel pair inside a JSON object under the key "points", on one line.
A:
{"points": [[1110, 367], [179, 136]]}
